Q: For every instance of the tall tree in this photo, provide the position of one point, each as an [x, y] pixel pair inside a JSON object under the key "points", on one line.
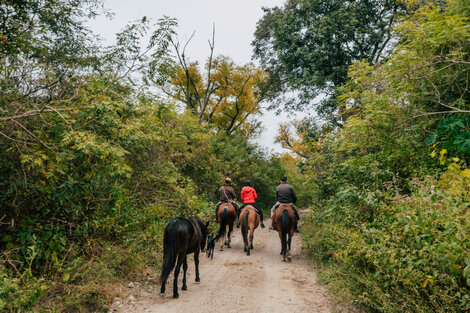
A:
{"points": [[225, 94], [306, 46]]}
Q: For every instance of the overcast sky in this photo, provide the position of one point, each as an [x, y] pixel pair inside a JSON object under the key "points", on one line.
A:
{"points": [[235, 23]]}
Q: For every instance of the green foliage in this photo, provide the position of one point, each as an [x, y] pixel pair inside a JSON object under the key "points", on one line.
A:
{"points": [[452, 134], [391, 221], [417, 247], [306, 46]]}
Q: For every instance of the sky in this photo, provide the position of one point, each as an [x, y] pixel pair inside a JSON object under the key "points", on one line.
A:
{"points": [[235, 24]]}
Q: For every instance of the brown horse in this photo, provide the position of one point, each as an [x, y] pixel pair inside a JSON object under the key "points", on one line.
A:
{"points": [[250, 221], [225, 216], [285, 223]]}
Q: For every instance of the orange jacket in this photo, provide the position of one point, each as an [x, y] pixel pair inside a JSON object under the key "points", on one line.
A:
{"points": [[248, 195]]}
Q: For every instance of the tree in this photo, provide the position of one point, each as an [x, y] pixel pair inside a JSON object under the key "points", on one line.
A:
{"points": [[307, 46], [225, 95]]}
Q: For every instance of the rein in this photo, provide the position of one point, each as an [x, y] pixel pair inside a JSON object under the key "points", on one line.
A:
{"points": [[223, 189]]}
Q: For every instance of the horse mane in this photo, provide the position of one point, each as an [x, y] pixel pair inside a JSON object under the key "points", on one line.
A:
{"points": [[196, 225]]}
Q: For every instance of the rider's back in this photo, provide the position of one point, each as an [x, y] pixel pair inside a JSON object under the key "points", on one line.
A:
{"points": [[285, 193]]}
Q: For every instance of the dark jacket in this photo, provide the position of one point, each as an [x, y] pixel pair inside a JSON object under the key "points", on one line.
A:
{"points": [[226, 193], [285, 193]]}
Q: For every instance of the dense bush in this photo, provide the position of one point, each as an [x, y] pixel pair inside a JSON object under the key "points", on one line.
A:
{"points": [[413, 257], [390, 219]]}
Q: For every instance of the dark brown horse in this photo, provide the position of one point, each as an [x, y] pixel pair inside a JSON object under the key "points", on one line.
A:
{"points": [[225, 216], [250, 221], [285, 223], [182, 236]]}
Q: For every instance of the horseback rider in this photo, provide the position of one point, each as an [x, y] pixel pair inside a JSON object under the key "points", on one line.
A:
{"points": [[227, 195], [285, 193], [248, 196]]}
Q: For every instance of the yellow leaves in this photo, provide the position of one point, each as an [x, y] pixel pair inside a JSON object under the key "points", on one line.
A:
{"points": [[429, 280], [443, 159], [225, 95], [465, 173]]}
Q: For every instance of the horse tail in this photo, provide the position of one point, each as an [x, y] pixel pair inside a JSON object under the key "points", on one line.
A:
{"points": [[245, 226], [284, 230], [170, 240], [223, 223]]}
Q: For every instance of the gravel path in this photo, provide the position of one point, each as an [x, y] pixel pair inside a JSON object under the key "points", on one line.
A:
{"points": [[235, 282]]}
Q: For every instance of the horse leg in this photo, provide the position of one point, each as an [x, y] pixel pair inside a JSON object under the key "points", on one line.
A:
{"points": [[185, 268], [289, 254], [250, 239], [226, 237], [222, 242], [196, 262], [284, 253], [230, 229], [252, 233], [177, 272], [249, 242]]}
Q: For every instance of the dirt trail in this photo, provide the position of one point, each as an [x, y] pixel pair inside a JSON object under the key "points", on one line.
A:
{"points": [[235, 282]]}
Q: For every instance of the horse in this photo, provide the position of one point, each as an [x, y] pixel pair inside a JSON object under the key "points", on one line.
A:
{"points": [[210, 246], [182, 237], [226, 215], [285, 222], [250, 221]]}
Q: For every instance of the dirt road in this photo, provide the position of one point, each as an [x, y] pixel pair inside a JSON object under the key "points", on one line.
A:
{"points": [[235, 282]]}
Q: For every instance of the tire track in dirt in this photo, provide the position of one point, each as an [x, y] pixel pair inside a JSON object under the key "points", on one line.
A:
{"points": [[235, 282]]}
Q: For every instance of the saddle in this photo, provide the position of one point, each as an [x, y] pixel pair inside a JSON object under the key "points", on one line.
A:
{"points": [[254, 208]]}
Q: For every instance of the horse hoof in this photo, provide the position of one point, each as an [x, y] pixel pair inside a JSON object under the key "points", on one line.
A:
{"points": [[184, 288], [251, 247], [289, 259], [248, 252], [244, 250], [197, 280], [176, 296], [162, 295], [229, 246]]}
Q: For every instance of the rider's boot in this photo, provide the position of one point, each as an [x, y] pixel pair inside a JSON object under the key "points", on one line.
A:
{"points": [[298, 218]]}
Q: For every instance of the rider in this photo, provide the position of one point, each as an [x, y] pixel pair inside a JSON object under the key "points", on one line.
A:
{"points": [[227, 195], [285, 193], [248, 196]]}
